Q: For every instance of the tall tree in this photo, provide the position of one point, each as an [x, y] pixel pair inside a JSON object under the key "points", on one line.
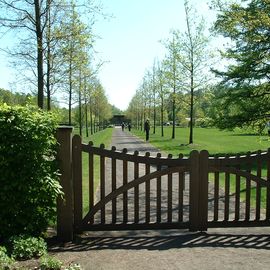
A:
{"points": [[172, 74], [161, 90], [30, 18], [193, 58], [244, 98], [76, 39]]}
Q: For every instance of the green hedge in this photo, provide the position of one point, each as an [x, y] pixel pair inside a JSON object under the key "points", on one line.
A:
{"points": [[28, 171]]}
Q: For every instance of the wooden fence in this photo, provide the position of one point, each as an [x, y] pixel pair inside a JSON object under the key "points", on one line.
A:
{"points": [[144, 192]]}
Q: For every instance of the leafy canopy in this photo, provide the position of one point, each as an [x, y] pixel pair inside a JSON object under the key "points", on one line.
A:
{"points": [[244, 98]]}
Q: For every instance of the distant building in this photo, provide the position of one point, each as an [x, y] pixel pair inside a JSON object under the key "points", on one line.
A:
{"points": [[118, 119]]}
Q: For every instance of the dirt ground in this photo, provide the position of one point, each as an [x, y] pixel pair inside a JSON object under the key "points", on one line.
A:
{"points": [[230, 248]]}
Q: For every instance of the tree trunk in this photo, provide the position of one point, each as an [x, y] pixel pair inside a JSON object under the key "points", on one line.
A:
{"points": [[80, 112], [173, 113], [48, 87], [191, 111], [162, 117], [48, 38], [85, 110], [39, 55], [91, 118], [70, 89], [154, 131]]}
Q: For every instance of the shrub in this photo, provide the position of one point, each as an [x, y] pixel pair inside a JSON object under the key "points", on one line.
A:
{"points": [[50, 263], [28, 170], [26, 247], [5, 260]]}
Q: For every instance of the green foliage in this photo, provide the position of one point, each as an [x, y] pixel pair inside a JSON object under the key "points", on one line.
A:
{"points": [[27, 247], [244, 97], [50, 263], [15, 98], [116, 110], [5, 260], [28, 170]]}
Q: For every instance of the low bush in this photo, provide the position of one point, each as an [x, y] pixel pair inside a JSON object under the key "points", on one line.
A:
{"points": [[28, 170], [26, 247], [5, 260], [50, 263]]}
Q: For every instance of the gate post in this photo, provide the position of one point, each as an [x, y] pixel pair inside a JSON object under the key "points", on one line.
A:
{"points": [[194, 192], [65, 206], [203, 189]]}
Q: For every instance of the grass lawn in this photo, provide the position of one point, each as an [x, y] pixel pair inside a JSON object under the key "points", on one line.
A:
{"points": [[211, 139], [105, 137]]}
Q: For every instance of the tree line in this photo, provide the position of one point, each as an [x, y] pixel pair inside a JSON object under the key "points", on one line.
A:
{"points": [[54, 55], [195, 85]]}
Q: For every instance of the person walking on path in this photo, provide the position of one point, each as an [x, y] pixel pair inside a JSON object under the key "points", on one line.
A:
{"points": [[123, 126], [147, 129], [129, 126]]}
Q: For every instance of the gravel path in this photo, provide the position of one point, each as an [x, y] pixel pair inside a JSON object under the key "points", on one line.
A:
{"points": [[237, 248]]}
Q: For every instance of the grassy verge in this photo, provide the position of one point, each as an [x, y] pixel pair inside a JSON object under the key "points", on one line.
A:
{"points": [[213, 140], [98, 138]]}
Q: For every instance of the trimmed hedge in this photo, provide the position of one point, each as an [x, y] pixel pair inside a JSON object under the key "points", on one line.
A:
{"points": [[28, 171]]}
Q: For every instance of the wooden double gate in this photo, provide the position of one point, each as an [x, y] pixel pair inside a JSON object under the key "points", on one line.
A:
{"points": [[144, 192]]}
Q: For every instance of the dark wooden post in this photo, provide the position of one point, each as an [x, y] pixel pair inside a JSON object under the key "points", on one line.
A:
{"points": [[194, 218], [268, 188], [203, 190], [65, 206]]}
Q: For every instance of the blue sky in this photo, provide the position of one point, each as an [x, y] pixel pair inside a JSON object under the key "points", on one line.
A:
{"points": [[129, 42]]}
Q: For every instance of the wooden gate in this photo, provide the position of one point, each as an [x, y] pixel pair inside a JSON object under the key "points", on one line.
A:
{"points": [[137, 192], [144, 192]]}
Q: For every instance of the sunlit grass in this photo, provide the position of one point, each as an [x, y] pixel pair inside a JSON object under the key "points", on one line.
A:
{"points": [[210, 139]]}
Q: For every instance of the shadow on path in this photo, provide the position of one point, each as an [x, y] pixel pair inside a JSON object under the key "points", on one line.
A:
{"points": [[188, 240]]}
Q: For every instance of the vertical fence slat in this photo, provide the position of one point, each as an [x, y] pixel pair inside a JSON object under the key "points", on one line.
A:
{"points": [[258, 187], [102, 185], [158, 193], [113, 160], [194, 191], [125, 194], [216, 196], [248, 189], [237, 192], [227, 194], [91, 181], [181, 185], [169, 195], [136, 191], [169, 206], [147, 192], [77, 180]]}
